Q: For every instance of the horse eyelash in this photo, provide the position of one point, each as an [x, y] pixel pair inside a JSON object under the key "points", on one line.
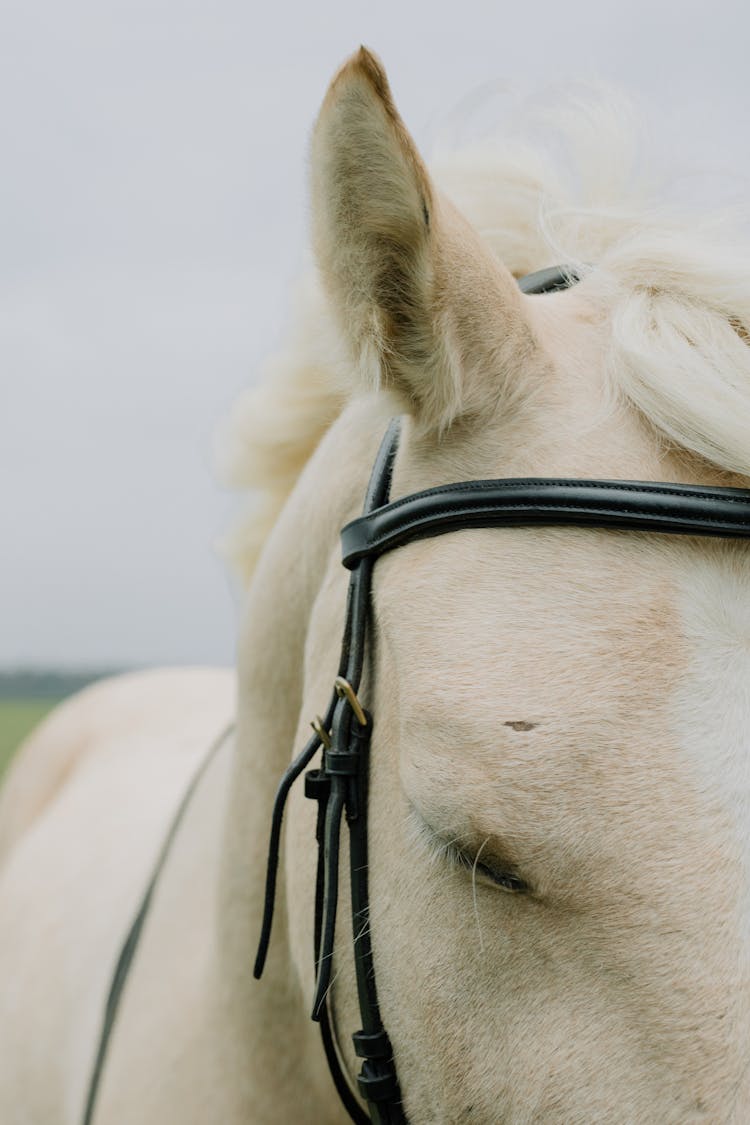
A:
{"points": [[441, 850]]}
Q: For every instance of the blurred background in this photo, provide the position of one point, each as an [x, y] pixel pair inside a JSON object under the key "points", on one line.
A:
{"points": [[152, 217]]}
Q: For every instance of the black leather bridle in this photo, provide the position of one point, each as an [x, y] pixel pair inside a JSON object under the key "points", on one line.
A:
{"points": [[340, 783]]}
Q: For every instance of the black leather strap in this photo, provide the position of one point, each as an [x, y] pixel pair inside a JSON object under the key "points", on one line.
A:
{"points": [[133, 937], [340, 788], [549, 280], [346, 764], [633, 505]]}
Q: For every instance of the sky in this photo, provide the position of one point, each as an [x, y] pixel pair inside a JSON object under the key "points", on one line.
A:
{"points": [[153, 214]]}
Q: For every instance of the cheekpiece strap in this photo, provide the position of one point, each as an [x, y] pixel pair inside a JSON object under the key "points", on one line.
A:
{"points": [[340, 788]]}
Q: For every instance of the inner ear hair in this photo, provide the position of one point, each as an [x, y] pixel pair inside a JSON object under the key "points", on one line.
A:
{"points": [[372, 209]]}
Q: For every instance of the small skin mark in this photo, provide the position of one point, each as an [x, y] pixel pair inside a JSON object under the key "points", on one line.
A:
{"points": [[520, 724]]}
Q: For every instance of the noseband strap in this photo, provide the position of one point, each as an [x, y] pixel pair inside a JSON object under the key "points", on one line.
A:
{"points": [[340, 783]]}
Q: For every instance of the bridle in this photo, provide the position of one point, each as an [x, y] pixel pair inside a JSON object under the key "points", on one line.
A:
{"points": [[340, 783]]}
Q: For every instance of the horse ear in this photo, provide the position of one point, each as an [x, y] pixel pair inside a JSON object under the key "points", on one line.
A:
{"points": [[403, 269]]}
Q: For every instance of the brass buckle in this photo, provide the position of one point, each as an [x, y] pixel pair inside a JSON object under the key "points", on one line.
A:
{"points": [[344, 690], [320, 730]]}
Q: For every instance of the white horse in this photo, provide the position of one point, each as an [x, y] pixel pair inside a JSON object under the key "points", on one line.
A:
{"points": [[561, 712]]}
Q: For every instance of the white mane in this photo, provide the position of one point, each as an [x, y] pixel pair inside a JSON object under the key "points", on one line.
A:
{"points": [[675, 285]]}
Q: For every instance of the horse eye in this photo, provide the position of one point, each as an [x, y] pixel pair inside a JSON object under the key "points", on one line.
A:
{"points": [[514, 884], [506, 880]]}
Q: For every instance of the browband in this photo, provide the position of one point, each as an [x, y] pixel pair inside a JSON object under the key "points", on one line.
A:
{"points": [[683, 509]]}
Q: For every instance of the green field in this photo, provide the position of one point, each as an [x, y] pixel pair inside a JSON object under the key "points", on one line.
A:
{"points": [[17, 717]]}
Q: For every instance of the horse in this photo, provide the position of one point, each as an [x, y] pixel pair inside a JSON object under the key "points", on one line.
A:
{"points": [[559, 764]]}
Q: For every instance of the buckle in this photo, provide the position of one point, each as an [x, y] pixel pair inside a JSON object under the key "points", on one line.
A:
{"points": [[322, 733], [344, 690]]}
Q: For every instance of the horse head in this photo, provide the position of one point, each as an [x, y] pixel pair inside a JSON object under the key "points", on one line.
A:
{"points": [[559, 805]]}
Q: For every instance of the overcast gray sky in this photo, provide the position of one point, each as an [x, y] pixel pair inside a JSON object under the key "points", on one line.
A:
{"points": [[152, 214]]}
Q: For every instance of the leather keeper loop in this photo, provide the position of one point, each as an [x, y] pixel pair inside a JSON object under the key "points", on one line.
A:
{"points": [[317, 785], [341, 763], [373, 1045], [378, 1087]]}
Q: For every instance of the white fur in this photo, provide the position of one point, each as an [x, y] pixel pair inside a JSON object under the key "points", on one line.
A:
{"points": [[713, 704]]}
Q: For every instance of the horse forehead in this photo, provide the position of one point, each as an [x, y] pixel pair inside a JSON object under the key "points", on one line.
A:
{"points": [[479, 611], [611, 693], [567, 653], [712, 703]]}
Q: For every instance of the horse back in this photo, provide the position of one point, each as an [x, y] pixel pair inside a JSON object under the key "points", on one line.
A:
{"points": [[83, 815]]}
